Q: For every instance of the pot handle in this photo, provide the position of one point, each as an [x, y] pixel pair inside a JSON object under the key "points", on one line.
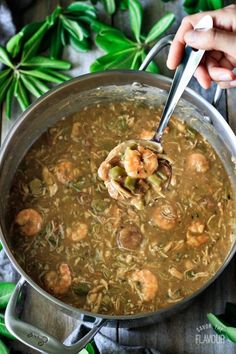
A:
{"points": [[37, 338], [161, 44]]}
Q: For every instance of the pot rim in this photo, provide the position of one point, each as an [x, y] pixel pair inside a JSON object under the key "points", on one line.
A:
{"points": [[9, 253]]}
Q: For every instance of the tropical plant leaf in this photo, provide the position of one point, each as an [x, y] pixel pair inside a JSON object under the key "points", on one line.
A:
{"points": [[14, 44], [54, 15], [160, 27], [56, 74], [3, 348], [3, 91], [9, 97], [3, 75], [215, 4], [73, 28], [82, 7], [90, 349], [22, 95], [112, 40], [3, 329], [45, 62], [30, 86], [45, 75], [136, 60], [109, 6], [79, 46], [98, 26], [115, 60], [39, 84], [31, 46], [1, 247], [4, 58], [136, 16], [6, 290], [56, 47]]}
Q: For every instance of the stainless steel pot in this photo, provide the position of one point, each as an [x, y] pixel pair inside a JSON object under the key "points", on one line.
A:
{"points": [[69, 98]]}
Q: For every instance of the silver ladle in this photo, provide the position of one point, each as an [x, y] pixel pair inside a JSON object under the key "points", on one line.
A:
{"points": [[182, 76]]}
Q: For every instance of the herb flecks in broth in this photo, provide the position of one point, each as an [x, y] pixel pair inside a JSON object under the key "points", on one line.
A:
{"points": [[104, 255]]}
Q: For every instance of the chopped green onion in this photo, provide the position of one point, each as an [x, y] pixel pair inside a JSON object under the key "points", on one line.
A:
{"points": [[116, 172], [130, 183]]}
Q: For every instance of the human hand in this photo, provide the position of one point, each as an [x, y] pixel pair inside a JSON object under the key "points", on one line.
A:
{"points": [[219, 43]]}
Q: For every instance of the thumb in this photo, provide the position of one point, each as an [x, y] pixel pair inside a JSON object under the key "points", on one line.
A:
{"points": [[212, 39]]}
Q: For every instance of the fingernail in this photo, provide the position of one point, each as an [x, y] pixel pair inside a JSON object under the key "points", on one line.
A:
{"points": [[232, 83], [224, 77]]}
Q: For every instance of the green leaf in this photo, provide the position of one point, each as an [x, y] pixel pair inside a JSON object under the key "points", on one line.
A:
{"points": [[123, 4], [80, 46], [117, 60], [136, 61], [3, 75], [136, 16], [3, 329], [4, 58], [160, 27], [30, 86], [112, 40], [22, 95], [56, 74], [53, 17], [90, 349], [45, 62], [81, 7], [215, 4], [63, 37], [3, 91], [221, 328], [73, 28], [45, 75], [31, 46], [6, 290], [98, 26], [3, 348], [9, 97], [110, 6], [14, 44], [1, 247], [39, 84], [56, 47]]}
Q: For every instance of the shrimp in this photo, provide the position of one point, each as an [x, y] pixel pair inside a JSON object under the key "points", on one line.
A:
{"points": [[147, 134], [195, 235], [29, 221], [103, 171], [164, 216], [197, 162], [148, 283], [77, 232], [66, 172], [58, 282], [140, 163]]}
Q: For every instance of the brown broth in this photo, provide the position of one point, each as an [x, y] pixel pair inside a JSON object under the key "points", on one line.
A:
{"points": [[101, 272]]}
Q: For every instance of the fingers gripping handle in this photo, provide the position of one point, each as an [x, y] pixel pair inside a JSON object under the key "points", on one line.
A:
{"points": [[37, 338]]}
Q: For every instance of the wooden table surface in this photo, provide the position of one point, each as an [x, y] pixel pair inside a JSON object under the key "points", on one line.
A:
{"points": [[185, 333]]}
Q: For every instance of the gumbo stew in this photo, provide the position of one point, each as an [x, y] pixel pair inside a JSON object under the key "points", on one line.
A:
{"points": [[105, 255]]}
